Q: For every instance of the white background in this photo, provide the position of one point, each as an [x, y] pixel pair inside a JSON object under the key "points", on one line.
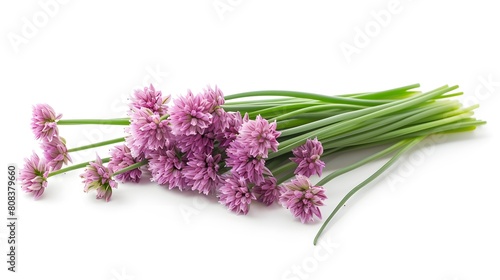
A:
{"points": [[436, 216]]}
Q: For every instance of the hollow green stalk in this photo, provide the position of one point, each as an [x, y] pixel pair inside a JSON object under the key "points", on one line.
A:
{"points": [[131, 167], [352, 120], [370, 112], [121, 121], [75, 167], [307, 95], [389, 124], [98, 144]]}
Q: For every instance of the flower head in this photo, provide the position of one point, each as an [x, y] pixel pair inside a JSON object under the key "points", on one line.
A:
{"points": [[307, 156], [234, 122], [121, 157], [151, 99], [302, 198], [98, 177], [236, 195], [268, 192], [190, 115], [166, 166], [44, 122], [148, 132], [196, 144], [260, 136], [55, 153], [34, 175], [244, 164], [214, 97], [220, 122], [201, 172]]}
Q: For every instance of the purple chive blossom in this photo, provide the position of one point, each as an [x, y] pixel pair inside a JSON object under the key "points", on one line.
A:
{"points": [[201, 172], [302, 199], [34, 175], [268, 191], [166, 166], [121, 157], [307, 156], [196, 144], [234, 120], [236, 195], [44, 122], [243, 164], [55, 153], [151, 99], [98, 177], [148, 132], [260, 136], [215, 98], [220, 122], [190, 115]]}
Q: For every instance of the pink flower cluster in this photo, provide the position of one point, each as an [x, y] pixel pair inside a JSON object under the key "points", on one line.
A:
{"points": [[199, 146], [192, 144], [44, 126], [36, 170], [307, 157], [99, 177], [302, 198]]}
